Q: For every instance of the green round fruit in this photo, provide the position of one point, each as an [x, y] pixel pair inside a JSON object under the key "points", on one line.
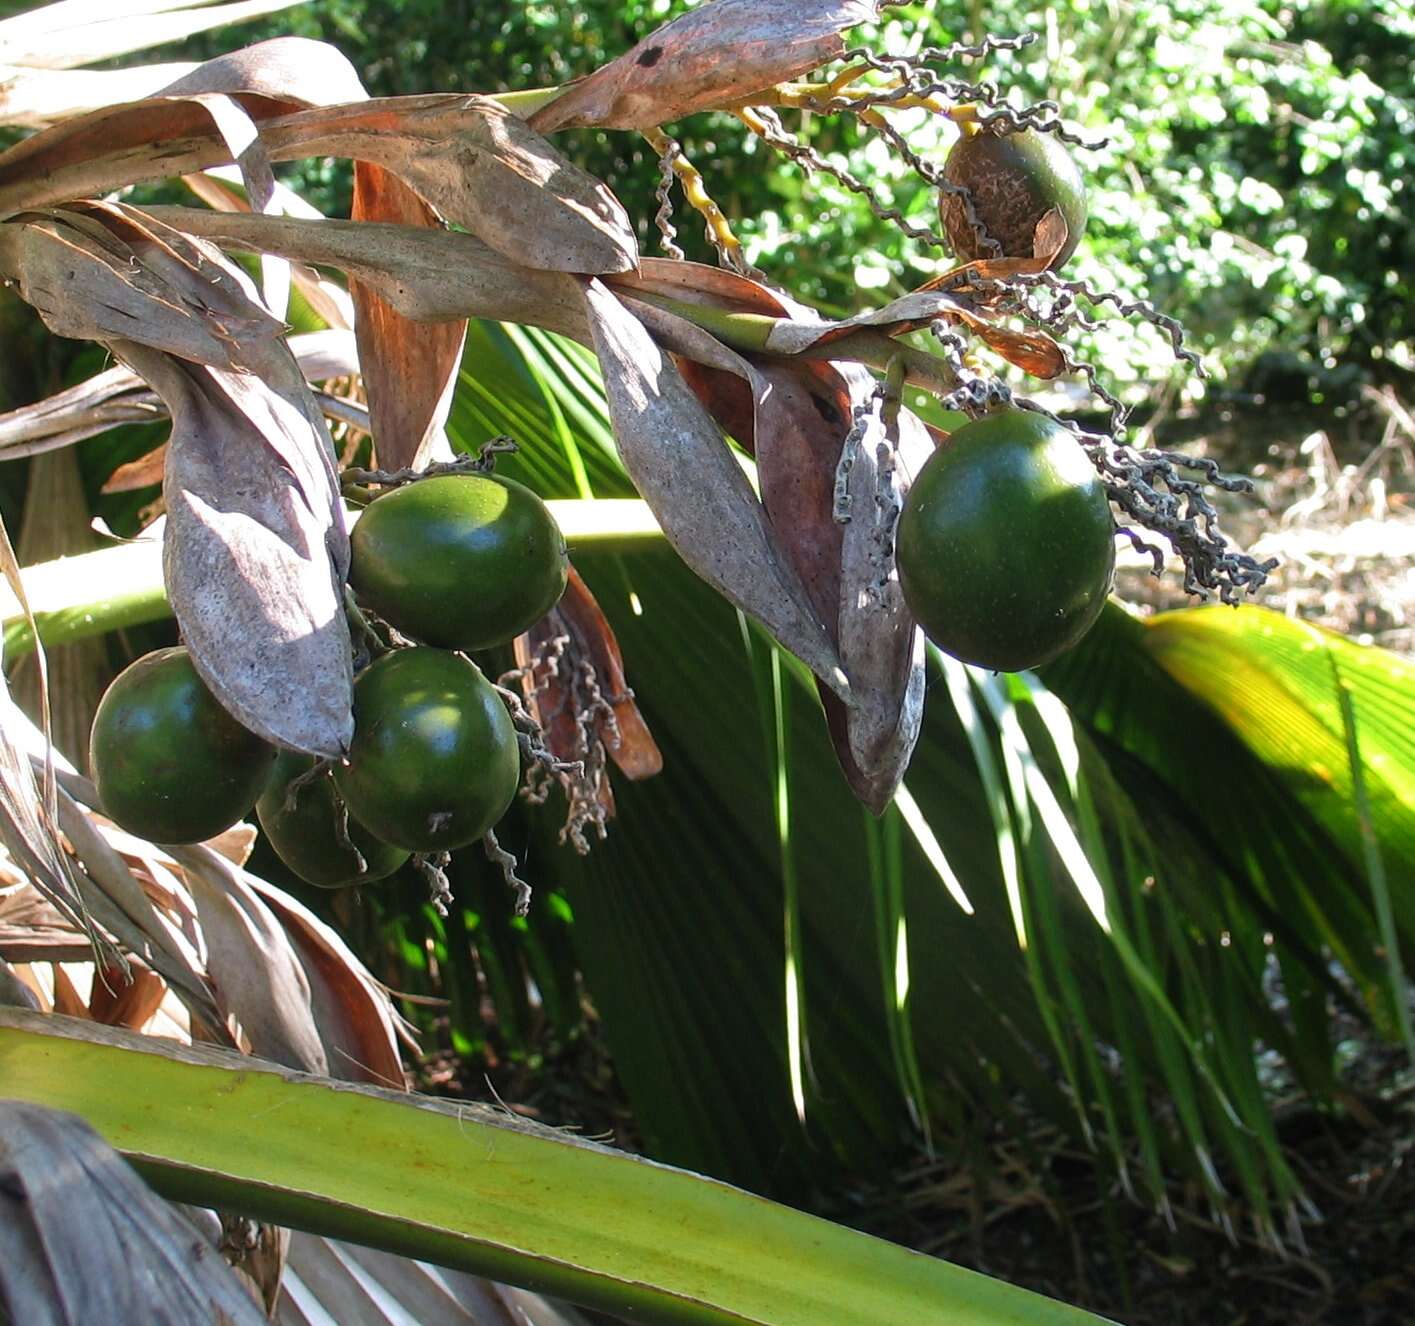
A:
{"points": [[462, 561], [434, 762], [170, 763], [1014, 180], [1006, 544], [305, 836]]}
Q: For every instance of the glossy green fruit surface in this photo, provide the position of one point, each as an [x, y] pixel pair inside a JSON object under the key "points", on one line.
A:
{"points": [[1014, 180], [462, 561], [434, 762], [1006, 544], [170, 763], [305, 835]]}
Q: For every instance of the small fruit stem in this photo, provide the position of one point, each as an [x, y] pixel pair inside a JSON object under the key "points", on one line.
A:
{"points": [[370, 641], [311, 775]]}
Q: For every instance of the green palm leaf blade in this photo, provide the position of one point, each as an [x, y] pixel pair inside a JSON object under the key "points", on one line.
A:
{"points": [[678, 920], [474, 1190], [1280, 698], [1231, 720]]}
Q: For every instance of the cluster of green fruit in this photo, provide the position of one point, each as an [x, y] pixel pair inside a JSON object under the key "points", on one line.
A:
{"points": [[1006, 544], [455, 562]]}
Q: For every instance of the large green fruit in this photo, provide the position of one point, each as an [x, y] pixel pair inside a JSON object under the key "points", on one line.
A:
{"points": [[463, 561], [305, 835], [1014, 180], [1006, 544], [434, 762], [170, 763]]}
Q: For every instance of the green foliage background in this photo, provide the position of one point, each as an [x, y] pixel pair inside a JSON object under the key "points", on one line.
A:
{"points": [[1254, 184]]}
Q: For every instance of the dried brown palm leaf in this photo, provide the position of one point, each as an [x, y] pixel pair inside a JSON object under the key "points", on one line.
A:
{"points": [[255, 972], [468, 157], [716, 54], [286, 981], [83, 1240], [119, 396], [255, 552], [572, 676], [352, 1013], [29, 809], [409, 368], [34, 98], [328, 300], [795, 416], [330, 1280], [683, 468], [426, 275]]}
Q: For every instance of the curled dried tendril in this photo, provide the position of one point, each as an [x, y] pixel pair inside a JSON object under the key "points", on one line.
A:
{"points": [[909, 83], [557, 669], [432, 866], [673, 163], [499, 856], [1150, 487]]}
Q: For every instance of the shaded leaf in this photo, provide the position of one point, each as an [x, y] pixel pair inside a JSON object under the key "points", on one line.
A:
{"points": [[699, 495], [409, 368], [83, 1240], [796, 433], [719, 52], [14, 992], [352, 1014], [353, 1285], [256, 974]]}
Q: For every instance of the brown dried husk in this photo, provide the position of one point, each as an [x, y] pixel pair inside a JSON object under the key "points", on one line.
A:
{"points": [[716, 54]]}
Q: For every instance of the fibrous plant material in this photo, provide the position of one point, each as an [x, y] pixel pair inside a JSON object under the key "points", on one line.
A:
{"points": [[579, 714]]}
